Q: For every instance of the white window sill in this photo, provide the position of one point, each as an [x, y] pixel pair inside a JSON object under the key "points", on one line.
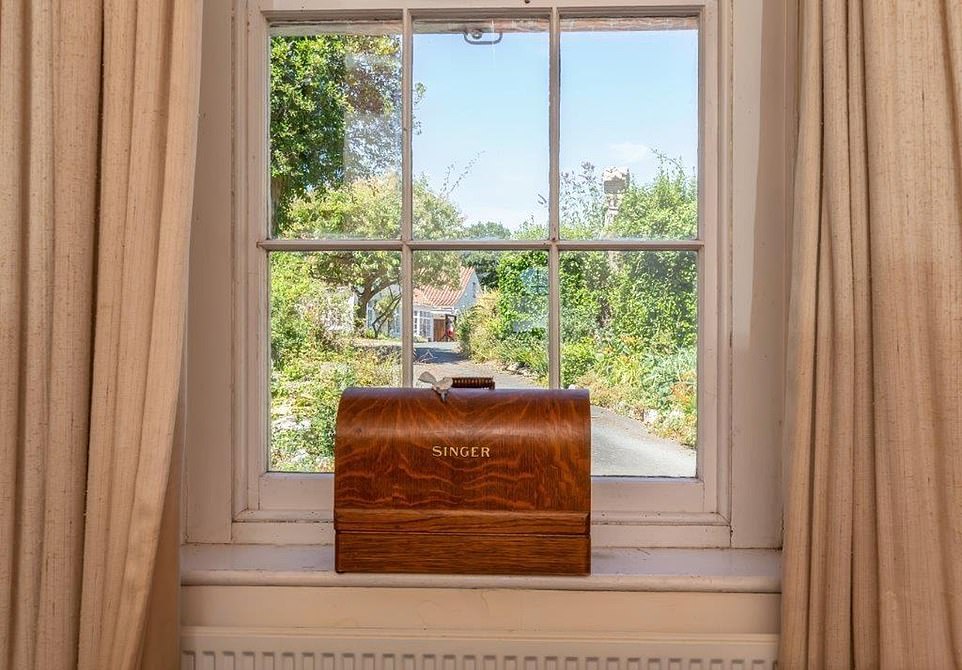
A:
{"points": [[681, 570]]}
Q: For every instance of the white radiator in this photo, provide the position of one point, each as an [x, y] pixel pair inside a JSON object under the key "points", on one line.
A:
{"points": [[206, 648]]}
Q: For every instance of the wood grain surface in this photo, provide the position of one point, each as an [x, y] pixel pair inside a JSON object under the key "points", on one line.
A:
{"points": [[494, 473], [462, 521], [427, 553], [538, 443]]}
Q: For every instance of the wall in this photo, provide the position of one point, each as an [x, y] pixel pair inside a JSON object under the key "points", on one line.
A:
{"points": [[381, 628], [633, 616]]}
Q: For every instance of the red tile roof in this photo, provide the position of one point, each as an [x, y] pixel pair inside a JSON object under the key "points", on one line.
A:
{"points": [[443, 297]]}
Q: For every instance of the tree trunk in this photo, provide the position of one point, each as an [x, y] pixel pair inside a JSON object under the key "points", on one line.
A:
{"points": [[385, 316], [360, 310]]}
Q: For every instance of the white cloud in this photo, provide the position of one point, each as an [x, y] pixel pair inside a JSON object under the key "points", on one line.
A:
{"points": [[630, 152]]}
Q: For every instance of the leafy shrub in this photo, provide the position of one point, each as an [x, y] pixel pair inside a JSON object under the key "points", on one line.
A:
{"points": [[577, 358], [657, 390], [477, 329], [528, 350], [305, 394], [671, 381], [484, 337], [665, 208]]}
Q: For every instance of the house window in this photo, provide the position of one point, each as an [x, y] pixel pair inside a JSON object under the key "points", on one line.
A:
{"points": [[496, 183], [474, 192]]}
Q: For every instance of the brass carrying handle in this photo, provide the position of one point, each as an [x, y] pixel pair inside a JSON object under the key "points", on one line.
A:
{"points": [[443, 385], [472, 382]]}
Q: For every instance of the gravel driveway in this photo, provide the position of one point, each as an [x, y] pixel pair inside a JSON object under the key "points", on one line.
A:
{"points": [[620, 446]]}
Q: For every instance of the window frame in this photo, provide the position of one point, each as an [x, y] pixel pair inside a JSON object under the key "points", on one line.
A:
{"points": [[289, 507]]}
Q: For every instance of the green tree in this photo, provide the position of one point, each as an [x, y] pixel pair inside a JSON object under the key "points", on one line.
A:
{"points": [[628, 319], [365, 209], [335, 113], [586, 279], [485, 263], [664, 208], [654, 297], [487, 230], [647, 296]]}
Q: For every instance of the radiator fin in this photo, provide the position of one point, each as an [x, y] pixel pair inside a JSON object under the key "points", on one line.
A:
{"points": [[304, 652]]}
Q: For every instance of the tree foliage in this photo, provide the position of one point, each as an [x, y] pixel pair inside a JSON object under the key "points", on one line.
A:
{"points": [[628, 319], [335, 105], [485, 263], [371, 209], [314, 357], [664, 209]]}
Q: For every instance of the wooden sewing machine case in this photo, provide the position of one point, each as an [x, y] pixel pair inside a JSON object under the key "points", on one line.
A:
{"points": [[482, 481]]}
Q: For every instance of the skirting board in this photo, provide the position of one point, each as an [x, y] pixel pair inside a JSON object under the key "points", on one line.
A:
{"points": [[208, 648]]}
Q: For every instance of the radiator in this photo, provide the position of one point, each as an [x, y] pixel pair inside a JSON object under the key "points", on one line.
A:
{"points": [[205, 648]]}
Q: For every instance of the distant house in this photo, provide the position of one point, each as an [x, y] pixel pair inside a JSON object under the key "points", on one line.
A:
{"points": [[436, 308]]}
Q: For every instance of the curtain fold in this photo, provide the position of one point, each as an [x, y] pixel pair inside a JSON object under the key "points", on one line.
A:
{"points": [[872, 574], [97, 138]]}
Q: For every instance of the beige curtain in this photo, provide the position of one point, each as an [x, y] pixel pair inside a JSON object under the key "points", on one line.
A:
{"points": [[873, 537], [97, 137]]}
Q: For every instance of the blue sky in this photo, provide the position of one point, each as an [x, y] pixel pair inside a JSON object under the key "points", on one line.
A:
{"points": [[622, 94]]}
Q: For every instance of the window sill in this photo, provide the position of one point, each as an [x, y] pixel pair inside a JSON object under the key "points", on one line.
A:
{"points": [[666, 570]]}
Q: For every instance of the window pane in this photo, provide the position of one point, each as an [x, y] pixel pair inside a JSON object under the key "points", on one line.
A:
{"points": [[628, 335], [482, 314], [332, 326], [629, 128], [480, 144], [335, 132]]}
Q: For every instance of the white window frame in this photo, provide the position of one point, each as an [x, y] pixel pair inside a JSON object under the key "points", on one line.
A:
{"points": [[266, 507]]}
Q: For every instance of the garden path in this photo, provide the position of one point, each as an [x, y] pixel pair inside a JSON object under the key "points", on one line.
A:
{"points": [[620, 445]]}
